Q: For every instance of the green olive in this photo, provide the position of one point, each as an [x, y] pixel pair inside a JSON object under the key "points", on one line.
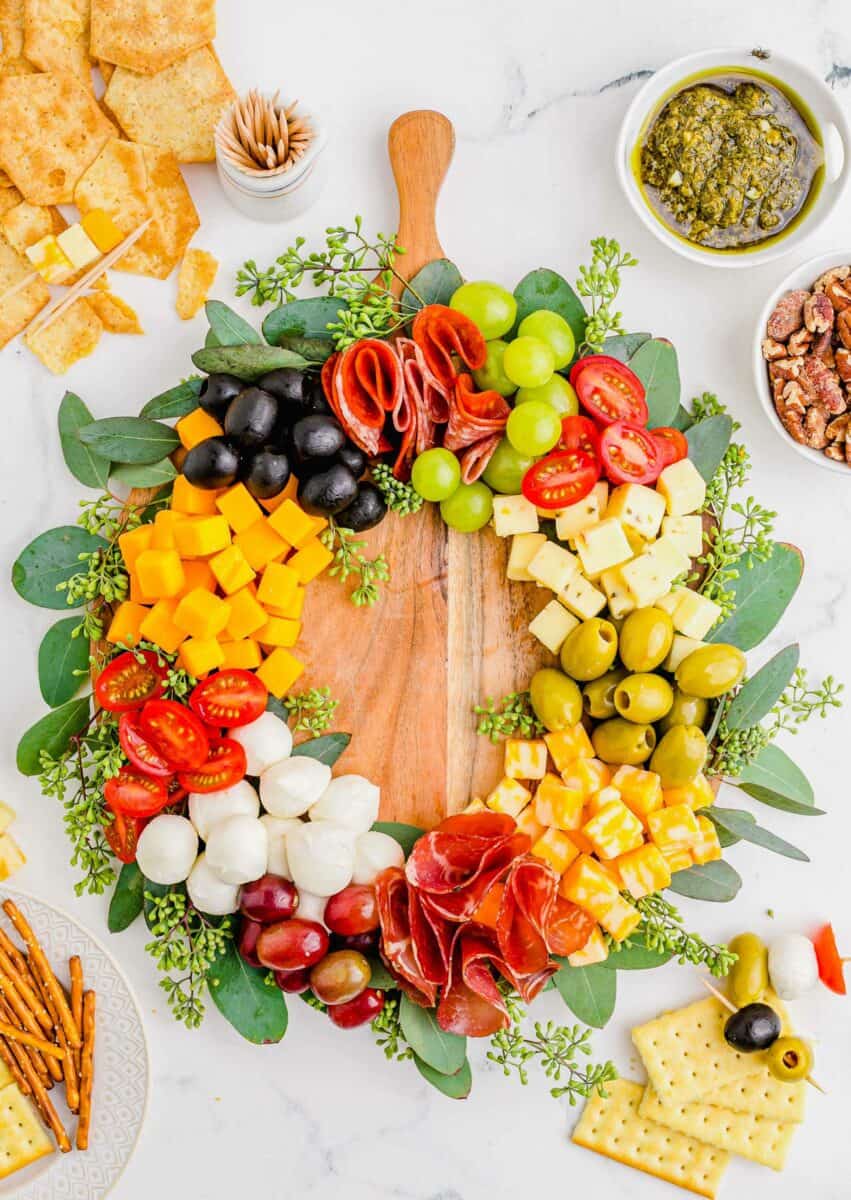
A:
{"points": [[643, 698], [710, 671], [685, 710], [645, 639], [598, 696], [679, 756], [749, 974], [557, 700], [620, 741], [789, 1059], [589, 649]]}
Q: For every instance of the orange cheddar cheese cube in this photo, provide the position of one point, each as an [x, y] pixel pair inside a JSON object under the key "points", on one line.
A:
{"points": [[678, 860], [643, 870], [641, 791], [159, 627], [697, 794], [595, 950], [582, 843], [101, 228], [136, 594], [244, 654], [192, 501], [614, 830], [280, 671], [293, 608], [247, 615], [200, 537], [197, 574], [589, 775], [160, 573], [707, 848], [674, 828], [200, 656], [311, 560], [231, 569], [125, 626], [509, 797], [589, 886], [567, 745], [556, 848], [278, 585], [201, 614], [239, 508], [196, 427], [525, 759], [598, 800], [132, 543], [163, 527], [557, 805], [528, 823], [609, 868], [620, 919], [279, 631], [295, 525], [261, 545]]}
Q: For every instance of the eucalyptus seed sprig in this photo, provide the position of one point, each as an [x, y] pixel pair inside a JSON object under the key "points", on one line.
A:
{"points": [[513, 716], [349, 560], [184, 945], [600, 283], [663, 930], [558, 1050], [400, 498]]}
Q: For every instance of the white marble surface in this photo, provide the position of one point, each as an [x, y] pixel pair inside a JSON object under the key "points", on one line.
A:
{"points": [[536, 92]]}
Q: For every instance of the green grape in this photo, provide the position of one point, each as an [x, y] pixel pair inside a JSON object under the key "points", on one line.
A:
{"points": [[491, 376], [436, 474], [504, 473], [556, 392], [468, 508], [533, 428], [528, 361], [552, 329], [488, 306]]}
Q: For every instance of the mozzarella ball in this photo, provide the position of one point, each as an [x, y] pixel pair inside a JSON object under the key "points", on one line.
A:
{"points": [[311, 907], [321, 856], [374, 853], [265, 741], [237, 849], [167, 849], [349, 800], [277, 829], [289, 788], [208, 893], [792, 965], [206, 809]]}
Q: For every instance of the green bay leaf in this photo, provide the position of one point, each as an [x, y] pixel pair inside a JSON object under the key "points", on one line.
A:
{"points": [[301, 326], [443, 1051], [326, 749], [144, 475], [130, 439], [655, 364], [456, 1086], [715, 881], [544, 288], [128, 898], [743, 826], [84, 463], [707, 443], [435, 283], [774, 771], [247, 362], [61, 658], [758, 695], [405, 835], [176, 402], [622, 346]]}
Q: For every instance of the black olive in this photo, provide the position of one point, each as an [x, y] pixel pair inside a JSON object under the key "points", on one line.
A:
{"points": [[287, 384], [267, 473], [251, 417], [754, 1027], [366, 510], [213, 463], [216, 393], [317, 436], [328, 491], [354, 458], [314, 397]]}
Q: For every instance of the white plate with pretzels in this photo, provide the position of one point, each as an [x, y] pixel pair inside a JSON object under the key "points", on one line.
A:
{"points": [[74, 1068]]}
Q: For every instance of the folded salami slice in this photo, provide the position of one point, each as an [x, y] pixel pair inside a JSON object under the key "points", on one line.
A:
{"points": [[471, 1004], [568, 927], [429, 400], [397, 942], [363, 385], [527, 899], [475, 458], [474, 415], [442, 333]]}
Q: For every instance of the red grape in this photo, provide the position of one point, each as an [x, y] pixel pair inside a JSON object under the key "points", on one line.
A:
{"points": [[293, 981], [269, 898], [290, 945], [355, 1012], [247, 945], [340, 976], [367, 943], [353, 910]]}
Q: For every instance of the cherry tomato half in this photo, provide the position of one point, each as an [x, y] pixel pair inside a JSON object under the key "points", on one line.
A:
{"points": [[560, 479], [830, 965], [135, 794], [589, 360], [579, 433], [224, 766], [609, 391], [175, 732], [128, 681], [672, 444], [629, 454], [140, 751], [229, 698], [122, 833]]}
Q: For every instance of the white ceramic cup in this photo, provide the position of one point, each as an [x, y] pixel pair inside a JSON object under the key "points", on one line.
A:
{"points": [[280, 197]]}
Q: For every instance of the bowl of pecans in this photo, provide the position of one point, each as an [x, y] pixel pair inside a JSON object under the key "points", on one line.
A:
{"points": [[802, 360]]}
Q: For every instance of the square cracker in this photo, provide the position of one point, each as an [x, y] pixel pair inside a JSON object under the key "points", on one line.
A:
{"points": [[613, 1127], [17, 311], [23, 1138], [26, 224], [115, 314], [175, 213], [176, 109], [51, 130], [147, 35], [764, 1096], [760, 1139], [69, 338], [196, 276], [56, 36]]}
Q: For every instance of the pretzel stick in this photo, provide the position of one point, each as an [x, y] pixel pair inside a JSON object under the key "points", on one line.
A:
{"points": [[75, 968], [27, 1023], [25, 990], [87, 1073], [12, 1063], [72, 1083], [15, 1034], [7, 1014], [43, 969]]}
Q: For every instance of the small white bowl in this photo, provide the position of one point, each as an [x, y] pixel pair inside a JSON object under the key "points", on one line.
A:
{"points": [[280, 197], [822, 103], [803, 276]]}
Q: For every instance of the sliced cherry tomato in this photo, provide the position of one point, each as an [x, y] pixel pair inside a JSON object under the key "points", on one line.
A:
{"points": [[672, 444], [140, 751], [579, 433], [560, 479], [609, 391], [224, 766], [122, 833], [629, 454], [128, 681], [175, 731], [830, 965], [229, 698], [589, 360], [135, 794]]}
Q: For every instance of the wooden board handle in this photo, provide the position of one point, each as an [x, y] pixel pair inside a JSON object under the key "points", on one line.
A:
{"points": [[420, 145]]}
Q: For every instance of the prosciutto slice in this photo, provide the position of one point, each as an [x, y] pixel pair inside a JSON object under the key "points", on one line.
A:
{"points": [[397, 942], [568, 927], [471, 1004], [442, 333], [528, 897]]}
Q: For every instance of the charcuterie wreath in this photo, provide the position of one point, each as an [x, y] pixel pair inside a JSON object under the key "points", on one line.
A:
{"points": [[521, 457]]}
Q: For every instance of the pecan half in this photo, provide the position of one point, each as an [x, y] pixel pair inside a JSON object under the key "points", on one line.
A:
{"points": [[843, 327], [815, 423], [823, 385], [785, 368], [818, 313], [799, 342], [837, 430], [791, 407], [772, 349], [838, 295], [843, 364], [823, 347], [831, 276], [835, 451], [788, 315]]}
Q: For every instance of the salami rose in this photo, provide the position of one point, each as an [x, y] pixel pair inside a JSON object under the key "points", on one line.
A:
{"points": [[442, 333], [363, 385]]}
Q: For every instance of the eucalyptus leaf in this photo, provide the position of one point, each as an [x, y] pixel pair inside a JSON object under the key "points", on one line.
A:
{"points": [[708, 441], [727, 839], [773, 770], [435, 283], [302, 326], [682, 420], [761, 595], [152, 475], [63, 662], [589, 992], [247, 362], [782, 803], [636, 957], [405, 835], [128, 899], [229, 328], [380, 977], [327, 748], [130, 439], [247, 997], [758, 695], [443, 1051], [622, 346], [456, 1087], [52, 733], [176, 402], [50, 559], [715, 881], [743, 826], [547, 289], [655, 364], [82, 461], [210, 339]]}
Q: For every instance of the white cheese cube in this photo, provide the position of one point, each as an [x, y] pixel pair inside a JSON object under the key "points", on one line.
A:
{"points": [[602, 546], [670, 556], [552, 625], [688, 531], [683, 487], [577, 517], [646, 580], [48, 259], [524, 547], [638, 508], [695, 615], [553, 566], [509, 797], [77, 246], [669, 603], [601, 491], [582, 598], [681, 647], [617, 593], [514, 514]]}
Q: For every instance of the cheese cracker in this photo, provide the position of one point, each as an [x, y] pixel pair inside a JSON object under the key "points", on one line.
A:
{"points": [[17, 311], [147, 35], [69, 338]]}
